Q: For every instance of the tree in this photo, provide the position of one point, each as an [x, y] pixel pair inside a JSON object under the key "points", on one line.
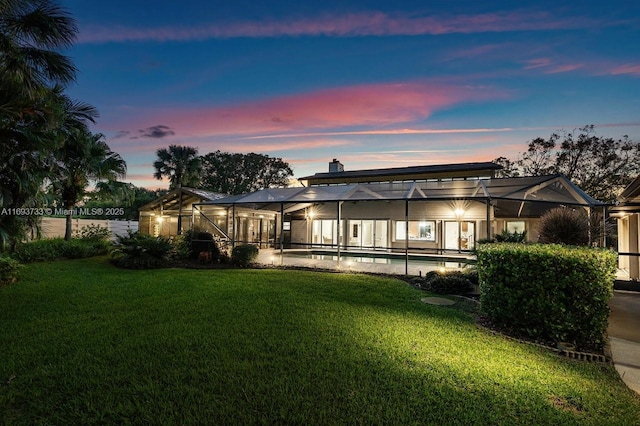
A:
{"points": [[232, 173], [109, 194], [83, 157], [180, 164], [601, 166], [29, 31], [31, 75]]}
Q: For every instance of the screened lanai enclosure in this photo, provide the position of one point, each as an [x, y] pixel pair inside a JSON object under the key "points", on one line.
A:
{"points": [[390, 220]]}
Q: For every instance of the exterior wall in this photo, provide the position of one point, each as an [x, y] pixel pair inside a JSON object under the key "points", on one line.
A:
{"points": [[439, 212], [299, 233], [391, 212], [53, 227]]}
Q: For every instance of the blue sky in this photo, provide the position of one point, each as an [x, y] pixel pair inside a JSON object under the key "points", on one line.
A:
{"points": [[374, 84]]}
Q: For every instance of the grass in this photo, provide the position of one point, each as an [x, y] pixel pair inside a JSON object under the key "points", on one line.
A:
{"points": [[84, 342]]}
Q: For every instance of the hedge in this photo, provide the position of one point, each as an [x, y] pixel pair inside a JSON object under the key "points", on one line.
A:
{"points": [[58, 248], [548, 292]]}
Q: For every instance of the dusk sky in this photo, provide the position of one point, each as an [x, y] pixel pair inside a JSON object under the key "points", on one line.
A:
{"points": [[375, 84]]}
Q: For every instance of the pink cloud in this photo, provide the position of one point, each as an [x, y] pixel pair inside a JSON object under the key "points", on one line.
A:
{"points": [[344, 25], [564, 68], [537, 63], [390, 132], [626, 69], [371, 105]]}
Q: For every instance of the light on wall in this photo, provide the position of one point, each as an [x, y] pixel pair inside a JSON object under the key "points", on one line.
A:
{"points": [[311, 213], [459, 213]]}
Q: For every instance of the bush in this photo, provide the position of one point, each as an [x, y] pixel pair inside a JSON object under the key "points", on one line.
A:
{"points": [[93, 233], [58, 248], [450, 282], [548, 292], [141, 251], [564, 226], [244, 255], [39, 250], [9, 270], [512, 237], [182, 245], [204, 242]]}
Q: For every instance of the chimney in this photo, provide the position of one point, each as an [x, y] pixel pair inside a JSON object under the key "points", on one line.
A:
{"points": [[335, 166]]}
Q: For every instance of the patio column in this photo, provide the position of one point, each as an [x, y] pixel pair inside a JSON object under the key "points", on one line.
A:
{"points": [[339, 205], [634, 260], [281, 229], [406, 237], [488, 218], [233, 226], [605, 217], [179, 232]]}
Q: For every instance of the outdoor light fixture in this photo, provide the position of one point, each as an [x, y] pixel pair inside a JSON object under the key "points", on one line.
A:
{"points": [[459, 213], [311, 213]]}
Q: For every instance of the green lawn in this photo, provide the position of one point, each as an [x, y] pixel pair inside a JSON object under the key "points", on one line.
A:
{"points": [[84, 342]]}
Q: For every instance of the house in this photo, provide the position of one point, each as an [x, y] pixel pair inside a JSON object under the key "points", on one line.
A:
{"points": [[435, 209], [627, 213], [172, 213]]}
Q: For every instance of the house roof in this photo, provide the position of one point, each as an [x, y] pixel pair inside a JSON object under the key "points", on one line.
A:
{"points": [[629, 199], [542, 189], [631, 192], [171, 199], [405, 173]]}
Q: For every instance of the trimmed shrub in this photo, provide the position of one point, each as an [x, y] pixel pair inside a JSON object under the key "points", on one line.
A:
{"points": [[548, 292], [93, 233], [564, 226], [39, 250], [58, 248], [141, 251], [244, 255], [450, 282], [9, 270]]}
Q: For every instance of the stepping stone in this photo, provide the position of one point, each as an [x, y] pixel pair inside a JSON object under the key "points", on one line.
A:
{"points": [[437, 301]]}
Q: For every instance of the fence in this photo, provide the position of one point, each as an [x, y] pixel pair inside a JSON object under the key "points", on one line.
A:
{"points": [[55, 226]]}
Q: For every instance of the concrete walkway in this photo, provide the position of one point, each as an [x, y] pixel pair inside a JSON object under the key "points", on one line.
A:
{"points": [[624, 336]]}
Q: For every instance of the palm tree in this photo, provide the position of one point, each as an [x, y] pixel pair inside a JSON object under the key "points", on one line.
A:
{"points": [[30, 31], [31, 75], [180, 164], [84, 157]]}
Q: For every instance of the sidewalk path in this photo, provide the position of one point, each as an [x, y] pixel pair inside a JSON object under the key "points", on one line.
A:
{"points": [[624, 336]]}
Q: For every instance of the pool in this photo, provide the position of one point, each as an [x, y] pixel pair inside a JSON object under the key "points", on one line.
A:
{"points": [[384, 263]]}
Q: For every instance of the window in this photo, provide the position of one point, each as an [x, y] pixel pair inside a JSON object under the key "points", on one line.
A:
{"points": [[516, 226], [325, 231], [418, 230]]}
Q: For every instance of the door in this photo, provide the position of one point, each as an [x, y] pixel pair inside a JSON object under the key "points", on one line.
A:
{"points": [[367, 233], [459, 235], [467, 235], [452, 235]]}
